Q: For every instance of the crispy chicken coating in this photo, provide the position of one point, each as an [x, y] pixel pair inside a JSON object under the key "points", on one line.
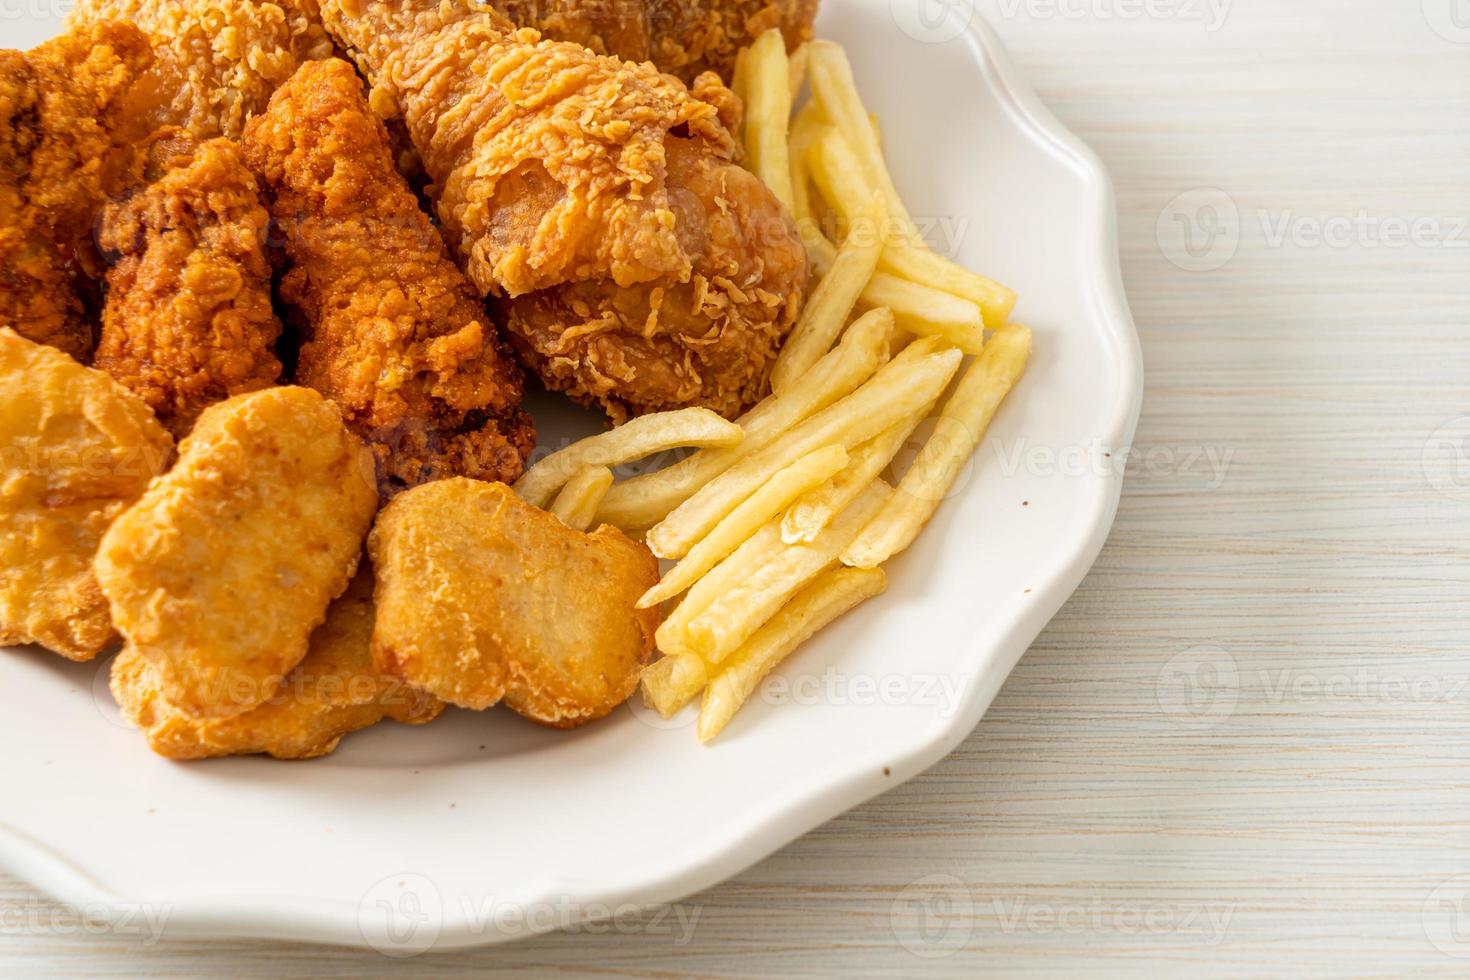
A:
{"points": [[641, 269], [66, 110], [682, 37], [482, 598], [219, 573], [707, 339], [218, 61], [392, 331], [188, 318], [333, 692], [76, 450]]}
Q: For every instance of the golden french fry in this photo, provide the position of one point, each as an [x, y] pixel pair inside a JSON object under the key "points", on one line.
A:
{"points": [[642, 501], [805, 129], [833, 88], [837, 175], [928, 311], [810, 513], [577, 503], [745, 520], [640, 437], [738, 612], [814, 511], [899, 389], [918, 308], [768, 113], [960, 427], [796, 67], [831, 302], [739, 77], [828, 597], [672, 634], [672, 682]]}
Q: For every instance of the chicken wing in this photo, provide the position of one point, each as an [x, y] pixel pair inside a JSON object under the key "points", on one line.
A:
{"points": [[482, 597], [220, 572], [218, 61], [76, 450], [66, 109], [641, 269], [392, 331], [188, 318], [333, 692]]}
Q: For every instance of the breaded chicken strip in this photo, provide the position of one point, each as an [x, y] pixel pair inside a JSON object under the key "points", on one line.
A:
{"points": [[76, 450], [392, 331], [642, 269], [67, 108], [482, 598], [218, 61], [682, 37], [333, 692], [220, 572], [188, 319]]}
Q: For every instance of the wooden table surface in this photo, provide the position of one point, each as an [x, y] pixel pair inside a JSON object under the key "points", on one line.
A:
{"points": [[1244, 746]]}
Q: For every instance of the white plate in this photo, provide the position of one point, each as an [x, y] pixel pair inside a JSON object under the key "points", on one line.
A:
{"points": [[480, 828]]}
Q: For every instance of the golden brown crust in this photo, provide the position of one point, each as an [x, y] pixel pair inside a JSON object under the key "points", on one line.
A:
{"points": [[76, 449], [641, 270], [333, 692], [188, 319], [707, 340], [482, 597], [221, 571], [393, 332], [689, 37], [548, 161], [66, 108], [218, 61], [682, 37]]}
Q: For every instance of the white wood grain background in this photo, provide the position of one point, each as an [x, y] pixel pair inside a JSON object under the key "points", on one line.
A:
{"points": [[1244, 746]]}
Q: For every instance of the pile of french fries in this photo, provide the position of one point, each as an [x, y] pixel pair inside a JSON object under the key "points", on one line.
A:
{"points": [[778, 524]]}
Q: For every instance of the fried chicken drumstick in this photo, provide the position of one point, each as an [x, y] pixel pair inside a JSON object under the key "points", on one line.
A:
{"points": [[639, 268], [392, 331], [67, 108], [188, 318]]}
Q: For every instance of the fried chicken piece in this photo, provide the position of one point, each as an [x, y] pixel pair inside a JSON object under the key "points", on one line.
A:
{"points": [[333, 692], [682, 37], [218, 61], [482, 598], [708, 339], [66, 110], [641, 269], [76, 450], [220, 572], [188, 319], [392, 331]]}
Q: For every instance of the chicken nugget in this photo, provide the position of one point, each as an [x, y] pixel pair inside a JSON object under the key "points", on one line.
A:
{"points": [[76, 449], [333, 692], [218, 575], [483, 597]]}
